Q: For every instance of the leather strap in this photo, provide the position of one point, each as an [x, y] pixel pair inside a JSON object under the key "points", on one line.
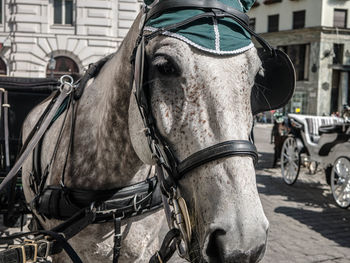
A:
{"points": [[167, 5], [62, 203], [18, 254], [217, 151], [45, 85], [117, 239], [34, 140], [168, 247]]}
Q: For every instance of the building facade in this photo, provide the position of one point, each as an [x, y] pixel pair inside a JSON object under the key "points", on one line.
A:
{"points": [[40, 38], [316, 35]]}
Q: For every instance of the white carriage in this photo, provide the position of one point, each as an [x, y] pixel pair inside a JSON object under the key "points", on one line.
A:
{"points": [[325, 142]]}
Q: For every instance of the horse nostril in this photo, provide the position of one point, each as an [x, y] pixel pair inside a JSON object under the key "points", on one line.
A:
{"points": [[225, 246], [213, 248]]}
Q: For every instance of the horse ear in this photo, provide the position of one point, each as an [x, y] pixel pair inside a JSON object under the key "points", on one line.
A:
{"points": [[137, 135], [149, 2], [246, 4]]}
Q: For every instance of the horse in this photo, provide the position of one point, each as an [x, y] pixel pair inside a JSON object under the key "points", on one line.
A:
{"points": [[197, 99]]}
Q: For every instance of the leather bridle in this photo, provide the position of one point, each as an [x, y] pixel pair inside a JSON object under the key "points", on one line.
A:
{"points": [[169, 169]]}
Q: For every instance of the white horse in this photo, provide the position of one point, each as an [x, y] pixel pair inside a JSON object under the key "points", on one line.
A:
{"points": [[198, 99]]}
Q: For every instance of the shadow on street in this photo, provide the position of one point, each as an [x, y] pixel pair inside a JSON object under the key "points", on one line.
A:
{"points": [[265, 160], [331, 222]]}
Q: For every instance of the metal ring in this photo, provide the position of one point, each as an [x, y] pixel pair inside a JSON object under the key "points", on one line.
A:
{"points": [[135, 204], [5, 105], [67, 91], [62, 79], [92, 207]]}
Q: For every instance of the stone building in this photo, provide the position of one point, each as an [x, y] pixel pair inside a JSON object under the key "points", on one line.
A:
{"points": [[70, 34], [316, 35]]}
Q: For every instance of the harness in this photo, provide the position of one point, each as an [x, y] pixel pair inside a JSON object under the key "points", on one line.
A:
{"points": [[78, 207], [117, 204]]}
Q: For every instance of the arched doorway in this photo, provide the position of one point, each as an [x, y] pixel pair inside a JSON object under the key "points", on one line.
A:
{"points": [[3, 68], [63, 66]]}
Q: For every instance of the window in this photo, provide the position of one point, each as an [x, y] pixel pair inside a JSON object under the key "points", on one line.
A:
{"points": [[338, 50], [299, 19], [3, 68], [0, 11], [299, 101], [63, 12], [269, 2], [272, 23], [252, 23], [340, 17], [64, 66], [299, 55]]}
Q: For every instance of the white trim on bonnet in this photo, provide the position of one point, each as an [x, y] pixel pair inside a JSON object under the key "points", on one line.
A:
{"points": [[239, 1], [217, 34], [220, 52]]}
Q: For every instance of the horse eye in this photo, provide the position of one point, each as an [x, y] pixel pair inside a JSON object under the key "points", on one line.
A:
{"points": [[165, 66]]}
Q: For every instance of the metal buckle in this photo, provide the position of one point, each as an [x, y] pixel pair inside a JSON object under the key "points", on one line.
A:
{"points": [[28, 243], [24, 260], [48, 247], [33, 244]]}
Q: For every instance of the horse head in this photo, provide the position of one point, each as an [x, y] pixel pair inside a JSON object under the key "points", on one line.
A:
{"points": [[199, 100], [192, 100]]}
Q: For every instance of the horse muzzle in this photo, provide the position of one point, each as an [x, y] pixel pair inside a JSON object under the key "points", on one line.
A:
{"points": [[228, 245]]}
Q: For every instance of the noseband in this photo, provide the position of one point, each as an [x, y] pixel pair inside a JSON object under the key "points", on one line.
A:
{"points": [[169, 169]]}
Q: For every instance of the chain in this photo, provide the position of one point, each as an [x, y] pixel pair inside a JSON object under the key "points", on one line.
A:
{"points": [[180, 219]]}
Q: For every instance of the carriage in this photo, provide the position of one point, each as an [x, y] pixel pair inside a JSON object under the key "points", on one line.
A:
{"points": [[323, 141], [17, 97]]}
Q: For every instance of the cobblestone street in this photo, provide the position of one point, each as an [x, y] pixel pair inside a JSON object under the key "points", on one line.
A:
{"points": [[305, 223]]}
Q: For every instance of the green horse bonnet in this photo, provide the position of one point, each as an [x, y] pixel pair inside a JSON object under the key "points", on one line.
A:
{"points": [[215, 35]]}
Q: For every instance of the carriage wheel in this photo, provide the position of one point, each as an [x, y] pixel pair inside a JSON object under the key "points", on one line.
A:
{"points": [[340, 182], [290, 161]]}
